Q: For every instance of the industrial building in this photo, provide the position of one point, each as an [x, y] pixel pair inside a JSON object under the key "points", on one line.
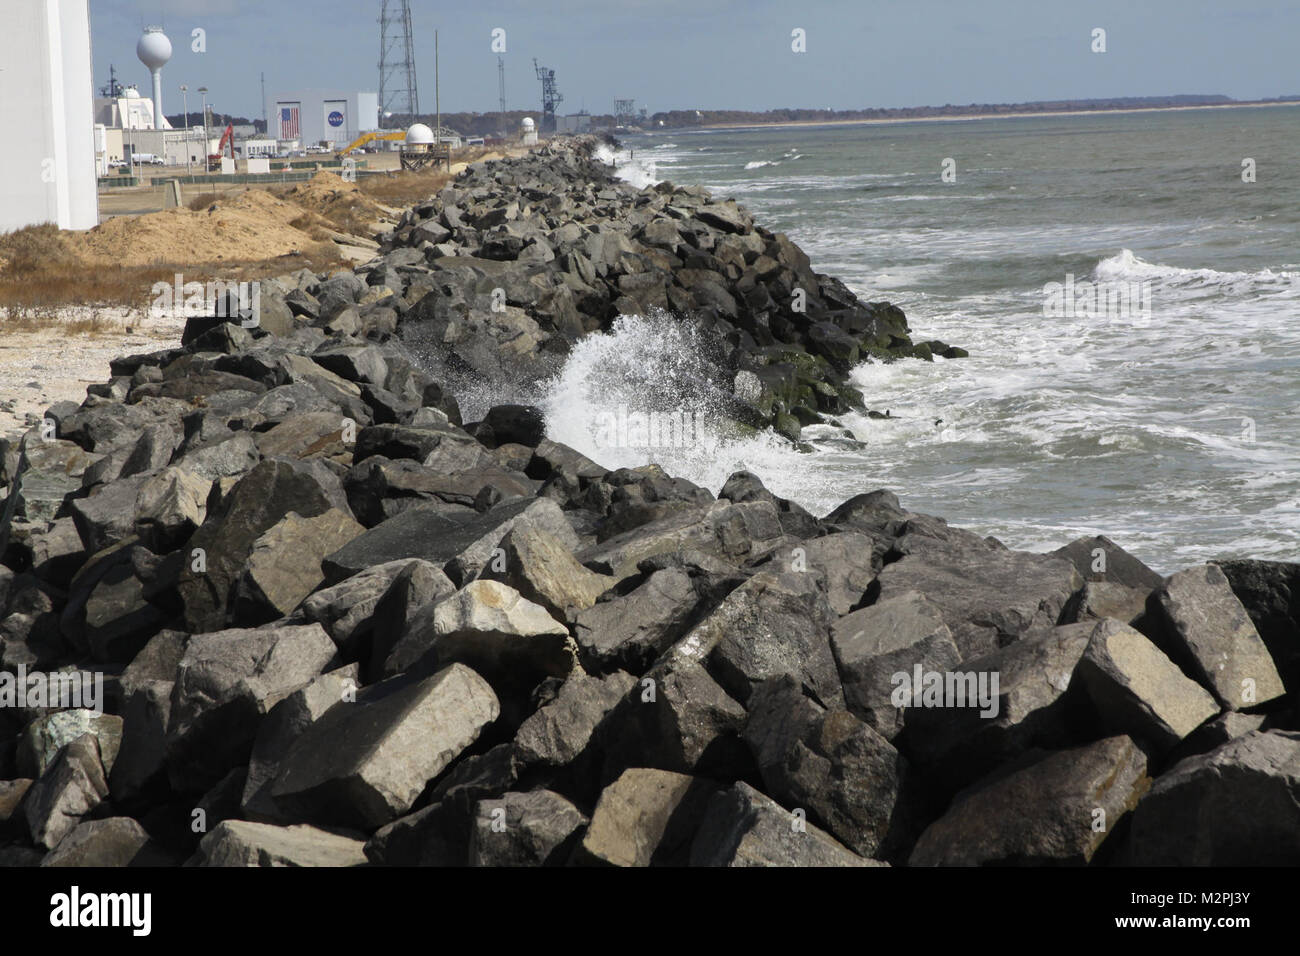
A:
{"points": [[308, 117], [47, 174], [574, 123]]}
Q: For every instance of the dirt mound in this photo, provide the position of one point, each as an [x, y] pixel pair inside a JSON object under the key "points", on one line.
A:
{"points": [[326, 194], [251, 225]]}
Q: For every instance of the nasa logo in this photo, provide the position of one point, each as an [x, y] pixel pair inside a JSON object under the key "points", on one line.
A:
{"points": [[336, 118]]}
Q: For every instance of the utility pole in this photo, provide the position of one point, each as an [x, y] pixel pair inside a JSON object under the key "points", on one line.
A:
{"points": [[437, 90], [265, 121], [501, 82], [185, 100]]}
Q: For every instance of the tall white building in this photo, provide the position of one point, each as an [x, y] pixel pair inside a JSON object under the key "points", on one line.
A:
{"points": [[47, 165]]}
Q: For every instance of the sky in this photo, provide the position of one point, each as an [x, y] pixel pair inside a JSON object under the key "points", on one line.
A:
{"points": [[720, 54]]}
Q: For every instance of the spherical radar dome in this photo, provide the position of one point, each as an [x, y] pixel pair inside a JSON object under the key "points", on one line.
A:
{"points": [[528, 124], [419, 135], [154, 49]]}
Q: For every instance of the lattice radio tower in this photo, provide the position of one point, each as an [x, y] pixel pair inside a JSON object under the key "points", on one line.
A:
{"points": [[398, 93]]}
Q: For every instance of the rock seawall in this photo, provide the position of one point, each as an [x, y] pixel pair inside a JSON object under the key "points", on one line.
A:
{"points": [[269, 584]]}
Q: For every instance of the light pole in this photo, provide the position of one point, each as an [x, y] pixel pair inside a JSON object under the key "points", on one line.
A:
{"points": [[185, 99], [206, 134]]}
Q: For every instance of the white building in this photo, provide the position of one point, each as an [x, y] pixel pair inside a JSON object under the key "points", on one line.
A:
{"points": [[259, 147], [128, 111], [47, 173], [336, 117]]}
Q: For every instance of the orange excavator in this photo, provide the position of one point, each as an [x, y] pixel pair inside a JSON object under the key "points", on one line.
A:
{"points": [[227, 141]]}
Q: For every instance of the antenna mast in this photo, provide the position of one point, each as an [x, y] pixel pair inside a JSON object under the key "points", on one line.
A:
{"points": [[398, 93]]}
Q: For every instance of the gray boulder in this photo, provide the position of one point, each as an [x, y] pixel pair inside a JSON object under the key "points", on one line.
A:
{"points": [[1206, 631], [225, 684], [356, 764], [1056, 811], [1137, 690], [877, 642], [537, 828], [1238, 805], [243, 843], [742, 827]]}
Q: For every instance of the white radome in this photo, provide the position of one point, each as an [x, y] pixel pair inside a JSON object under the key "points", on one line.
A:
{"points": [[419, 135], [528, 124], [154, 49]]}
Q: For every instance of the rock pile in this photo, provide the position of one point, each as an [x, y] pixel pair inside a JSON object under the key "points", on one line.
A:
{"points": [[267, 600]]}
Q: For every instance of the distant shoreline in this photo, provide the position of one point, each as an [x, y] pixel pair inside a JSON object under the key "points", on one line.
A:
{"points": [[969, 117]]}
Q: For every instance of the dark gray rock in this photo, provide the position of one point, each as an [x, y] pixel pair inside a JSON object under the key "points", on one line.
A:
{"points": [[877, 642], [1238, 805], [537, 828], [742, 827], [71, 788], [846, 777], [989, 597], [1031, 706], [1057, 811], [225, 684]]}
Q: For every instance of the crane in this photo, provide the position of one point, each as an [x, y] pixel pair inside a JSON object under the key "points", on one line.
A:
{"points": [[362, 140], [227, 139], [551, 97]]}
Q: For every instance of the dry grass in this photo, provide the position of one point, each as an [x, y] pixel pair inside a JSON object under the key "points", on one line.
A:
{"points": [[19, 319], [39, 275], [402, 189]]}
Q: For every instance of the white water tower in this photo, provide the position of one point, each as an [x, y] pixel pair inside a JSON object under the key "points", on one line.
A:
{"points": [[154, 50]]}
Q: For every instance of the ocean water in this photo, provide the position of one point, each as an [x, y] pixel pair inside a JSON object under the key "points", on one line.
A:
{"points": [[1172, 425]]}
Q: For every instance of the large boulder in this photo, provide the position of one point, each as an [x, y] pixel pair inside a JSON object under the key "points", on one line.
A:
{"points": [[225, 684], [877, 642], [1238, 805], [773, 624], [1270, 593], [962, 723], [219, 550], [72, 787], [537, 565], [846, 777], [743, 827], [244, 843], [537, 828], [632, 630], [284, 564], [360, 765], [1199, 623], [1056, 811], [490, 627], [645, 818], [989, 597], [1139, 691]]}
